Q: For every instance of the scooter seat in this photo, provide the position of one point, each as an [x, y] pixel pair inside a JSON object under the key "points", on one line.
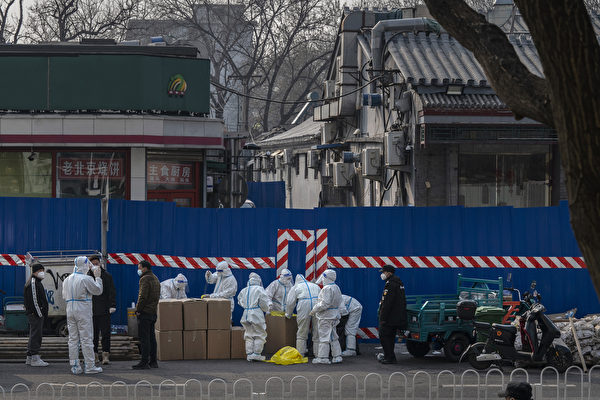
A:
{"points": [[507, 328]]}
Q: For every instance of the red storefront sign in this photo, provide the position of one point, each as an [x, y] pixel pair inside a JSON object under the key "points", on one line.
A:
{"points": [[77, 168], [170, 173]]}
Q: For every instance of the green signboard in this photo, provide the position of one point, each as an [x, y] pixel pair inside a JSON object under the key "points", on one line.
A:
{"points": [[104, 82]]}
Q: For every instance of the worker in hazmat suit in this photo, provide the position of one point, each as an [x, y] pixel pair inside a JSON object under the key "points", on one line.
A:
{"points": [[174, 288], [226, 285], [327, 311], [255, 302], [353, 309], [279, 289], [78, 290], [303, 296]]}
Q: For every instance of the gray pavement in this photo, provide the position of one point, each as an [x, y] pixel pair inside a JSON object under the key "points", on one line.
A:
{"points": [[258, 373]]}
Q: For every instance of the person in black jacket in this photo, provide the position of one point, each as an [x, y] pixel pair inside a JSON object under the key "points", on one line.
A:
{"points": [[36, 307], [392, 313], [102, 307]]}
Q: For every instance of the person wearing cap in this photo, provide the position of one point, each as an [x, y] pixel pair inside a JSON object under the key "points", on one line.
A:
{"points": [[392, 313], [36, 308], [517, 391], [103, 306]]}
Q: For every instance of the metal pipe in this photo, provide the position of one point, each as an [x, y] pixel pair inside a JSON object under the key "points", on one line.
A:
{"points": [[364, 45], [396, 25]]}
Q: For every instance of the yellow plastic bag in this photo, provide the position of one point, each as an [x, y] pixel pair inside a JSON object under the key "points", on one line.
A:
{"points": [[288, 355], [278, 313]]}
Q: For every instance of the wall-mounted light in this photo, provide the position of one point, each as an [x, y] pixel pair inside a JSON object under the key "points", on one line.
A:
{"points": [[32, 156], [454, 90]]}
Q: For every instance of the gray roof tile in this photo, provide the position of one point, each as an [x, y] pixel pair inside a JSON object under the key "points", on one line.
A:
{"points": [[465, 101]]}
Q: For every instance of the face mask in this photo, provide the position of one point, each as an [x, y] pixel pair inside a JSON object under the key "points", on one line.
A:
{"points": [[40, 275], [140, 272], [383, 276]]}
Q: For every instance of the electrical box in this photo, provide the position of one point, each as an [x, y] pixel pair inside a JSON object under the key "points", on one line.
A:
{"points": [[342, 174], [370, 160], [328, 132], [312, 159], [394, 149], [329, 89], [278, 162]]}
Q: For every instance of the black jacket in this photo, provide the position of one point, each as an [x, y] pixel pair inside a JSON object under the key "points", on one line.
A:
{"points": [[101, 304], [392, 307], [149, 294], [36, 302]]}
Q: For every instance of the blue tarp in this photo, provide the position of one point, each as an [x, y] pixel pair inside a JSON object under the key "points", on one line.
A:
{"points": [[161, 228]]}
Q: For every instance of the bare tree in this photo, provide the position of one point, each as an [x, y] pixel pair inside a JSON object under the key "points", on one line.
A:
{"points": [[65, 20], [256, 47], [10, 23], [566, 99]]}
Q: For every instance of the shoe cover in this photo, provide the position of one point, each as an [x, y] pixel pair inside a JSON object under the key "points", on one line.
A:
{"points": [[348, 353], [336, 360], [93, 370], [321, 361]]}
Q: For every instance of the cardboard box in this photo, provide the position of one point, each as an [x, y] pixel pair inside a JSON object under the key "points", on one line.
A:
{"points": [[281, 332], [194, 315], [169, 345], [170, 315], [219, 314], [219, 344], [194, 345], [238, 344]]}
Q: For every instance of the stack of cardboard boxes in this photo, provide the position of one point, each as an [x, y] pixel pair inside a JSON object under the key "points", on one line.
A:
{"points": [[194, 329]]}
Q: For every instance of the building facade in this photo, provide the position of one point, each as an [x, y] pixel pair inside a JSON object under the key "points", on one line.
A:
{"points": [[84, 119], [409, 119]]}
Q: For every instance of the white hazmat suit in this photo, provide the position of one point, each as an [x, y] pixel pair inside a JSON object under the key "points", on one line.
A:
{"points": [[303, 296], [353, 309], [278, 291], [226, 285], [78, 290], [255, 302], [174, 288], [327, 311]]}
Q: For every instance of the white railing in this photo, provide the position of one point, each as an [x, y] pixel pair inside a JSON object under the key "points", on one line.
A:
{"points": [[470, 384]]}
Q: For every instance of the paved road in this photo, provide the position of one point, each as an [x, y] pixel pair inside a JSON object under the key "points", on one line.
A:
{"points": [[258, 373]]}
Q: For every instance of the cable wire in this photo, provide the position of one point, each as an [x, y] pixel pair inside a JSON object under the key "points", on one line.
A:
{"points": [[218, 85]]}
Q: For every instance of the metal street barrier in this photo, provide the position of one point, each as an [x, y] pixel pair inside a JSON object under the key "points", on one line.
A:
{"points": [[468, 385]]}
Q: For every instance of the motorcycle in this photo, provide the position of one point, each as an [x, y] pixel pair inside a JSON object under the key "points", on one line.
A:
{"points": [[500, 345]]}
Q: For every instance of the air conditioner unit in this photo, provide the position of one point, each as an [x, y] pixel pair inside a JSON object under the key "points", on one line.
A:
{"points": [[394, 149], [370, 160], [312, 159], [342, 174], [328, 132], [329, 89]]}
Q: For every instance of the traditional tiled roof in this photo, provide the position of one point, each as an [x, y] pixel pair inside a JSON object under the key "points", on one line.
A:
{"points": [[431, 59], [302, 133], [465, 101]]}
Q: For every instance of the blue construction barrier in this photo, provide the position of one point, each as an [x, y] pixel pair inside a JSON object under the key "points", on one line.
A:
{"points": [[267, 194], [161, 228]]}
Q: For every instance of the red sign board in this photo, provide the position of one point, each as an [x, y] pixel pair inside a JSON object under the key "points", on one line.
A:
{"points": [[170, 173], [78, 168]]}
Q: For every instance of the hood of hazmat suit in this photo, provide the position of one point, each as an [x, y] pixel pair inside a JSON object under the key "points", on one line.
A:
{"points": [[254, 300], [225, 283], [278, 291], [77, 291], [174, 288]]}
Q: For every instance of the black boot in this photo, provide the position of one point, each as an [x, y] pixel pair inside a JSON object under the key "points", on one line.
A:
{"points": [[153, 364], [141, 365]]}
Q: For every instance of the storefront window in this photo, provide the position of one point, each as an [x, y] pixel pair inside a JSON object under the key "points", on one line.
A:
{"points": [[517, 180], [27, 174], [169, 175], [84, 174]]}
